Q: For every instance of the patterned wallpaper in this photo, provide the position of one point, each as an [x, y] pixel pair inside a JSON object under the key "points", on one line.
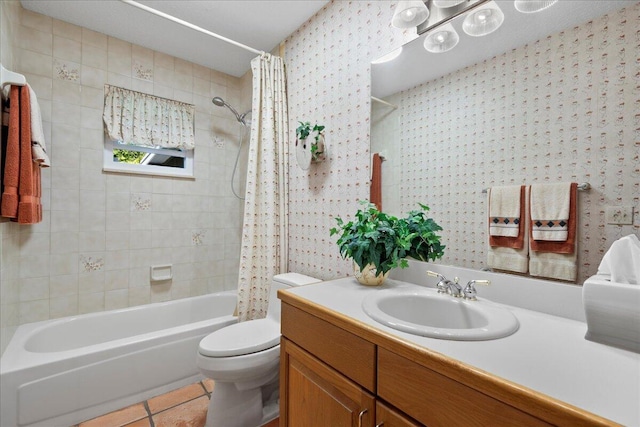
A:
{"points": [[328, 71], [564, 108]]}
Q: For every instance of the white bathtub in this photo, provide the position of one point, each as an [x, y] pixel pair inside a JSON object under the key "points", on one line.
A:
{"points": [[60, 372]]}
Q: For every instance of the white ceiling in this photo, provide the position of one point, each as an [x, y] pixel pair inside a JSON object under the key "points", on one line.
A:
{"points": [[260, 24], [415, 65]]}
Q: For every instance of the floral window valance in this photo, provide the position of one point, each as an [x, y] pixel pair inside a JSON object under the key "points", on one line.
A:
{"points": [[136, 118]]}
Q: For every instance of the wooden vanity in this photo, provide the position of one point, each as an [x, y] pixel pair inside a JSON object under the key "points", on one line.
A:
{"points": [[338, 371]]}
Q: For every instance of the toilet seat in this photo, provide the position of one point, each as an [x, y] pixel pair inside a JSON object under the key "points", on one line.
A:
{"points": [[241, 338]]}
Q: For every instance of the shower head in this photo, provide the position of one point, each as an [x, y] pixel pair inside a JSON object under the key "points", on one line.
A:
{"points": [[222, 103], [218, 101]]}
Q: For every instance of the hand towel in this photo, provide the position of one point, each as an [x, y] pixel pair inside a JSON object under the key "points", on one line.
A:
{"points": [[38, 146], [560, 247], [375, 188], [511, 242], [504, 210], [550, 211], [513, 258], [11, 177], [557, 260], [621, 263]]}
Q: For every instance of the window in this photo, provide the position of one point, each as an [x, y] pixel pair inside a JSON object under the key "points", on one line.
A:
{"points": [[146, 134], [148, 161]]}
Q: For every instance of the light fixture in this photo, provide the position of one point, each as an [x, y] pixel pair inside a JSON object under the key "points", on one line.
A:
{"points": [[409, 14], [441, 39], [485, 20], [533, 6], [447, 3]]}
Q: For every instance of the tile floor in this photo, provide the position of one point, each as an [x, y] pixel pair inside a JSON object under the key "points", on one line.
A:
{"points": [[184, 407]]}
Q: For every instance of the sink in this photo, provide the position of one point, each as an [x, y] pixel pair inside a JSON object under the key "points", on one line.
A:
{"points": [[425, 312]]}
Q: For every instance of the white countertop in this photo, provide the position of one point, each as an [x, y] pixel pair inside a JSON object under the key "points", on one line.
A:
{"points": [[547, 354]]}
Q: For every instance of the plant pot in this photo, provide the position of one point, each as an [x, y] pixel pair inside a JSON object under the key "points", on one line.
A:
{"points": [[368, 275]]}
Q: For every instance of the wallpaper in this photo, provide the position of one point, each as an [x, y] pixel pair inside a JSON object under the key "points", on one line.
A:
{"points": [[328, 71], [564, 108]]}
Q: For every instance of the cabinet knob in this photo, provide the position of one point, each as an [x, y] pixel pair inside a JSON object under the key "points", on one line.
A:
{"points": [[360, 415]]}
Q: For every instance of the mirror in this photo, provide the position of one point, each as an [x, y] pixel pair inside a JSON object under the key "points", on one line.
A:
{"points": [[550, 96]]}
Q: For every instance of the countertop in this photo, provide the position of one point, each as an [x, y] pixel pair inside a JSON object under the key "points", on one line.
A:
{"points": [[548, 354]]}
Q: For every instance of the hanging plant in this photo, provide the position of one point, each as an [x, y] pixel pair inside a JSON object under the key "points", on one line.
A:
{"points": [[316, 147]]}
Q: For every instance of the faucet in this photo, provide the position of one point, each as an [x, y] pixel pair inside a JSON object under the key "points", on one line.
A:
{"points": [[446, 286], [470, 292]]}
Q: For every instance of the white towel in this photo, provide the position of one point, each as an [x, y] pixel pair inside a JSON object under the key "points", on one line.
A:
{"points": [[504, 210], [550, 205], [38, 145], [622, 261], [511, 259]]}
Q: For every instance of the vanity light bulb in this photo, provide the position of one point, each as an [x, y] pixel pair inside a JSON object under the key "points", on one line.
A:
{"points": [[409, 14], [442, 41], [484, 21], [533, 6]]}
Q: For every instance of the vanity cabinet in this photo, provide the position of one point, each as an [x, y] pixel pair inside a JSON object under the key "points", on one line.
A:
{"points": [[336, 371]]}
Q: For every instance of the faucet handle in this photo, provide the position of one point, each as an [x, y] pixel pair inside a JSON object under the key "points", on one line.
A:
{"points": [[470, 292], [442, 281], [434, 274]]}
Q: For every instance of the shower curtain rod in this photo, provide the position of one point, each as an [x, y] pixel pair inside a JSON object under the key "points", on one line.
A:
{"points": [[190, 25]]}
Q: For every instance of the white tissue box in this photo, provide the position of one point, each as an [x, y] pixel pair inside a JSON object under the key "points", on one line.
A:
{"points": [[613, 312]]}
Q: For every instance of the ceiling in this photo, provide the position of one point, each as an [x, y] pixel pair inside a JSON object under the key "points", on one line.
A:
{"points": [[260, 24], [415, 65]]}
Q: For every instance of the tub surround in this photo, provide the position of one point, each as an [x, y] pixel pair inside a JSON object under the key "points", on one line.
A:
{"points": [[546, 368]]}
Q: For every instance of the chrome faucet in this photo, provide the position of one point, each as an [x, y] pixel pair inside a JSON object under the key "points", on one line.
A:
{"points": [[446, 286], [470, 292]]}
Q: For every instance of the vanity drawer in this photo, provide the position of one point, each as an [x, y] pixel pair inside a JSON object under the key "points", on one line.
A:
{"points": [[436, 400], [345, 352]]}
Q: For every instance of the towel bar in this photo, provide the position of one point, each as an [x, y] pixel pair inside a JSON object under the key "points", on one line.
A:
{"points": [[582, 187]]}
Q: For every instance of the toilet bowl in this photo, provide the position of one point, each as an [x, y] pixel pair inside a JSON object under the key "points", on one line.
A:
{"points": [[243, 361]]}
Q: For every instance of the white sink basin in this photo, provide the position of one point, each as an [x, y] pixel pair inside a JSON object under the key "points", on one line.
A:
{"points": [[425, 312]]}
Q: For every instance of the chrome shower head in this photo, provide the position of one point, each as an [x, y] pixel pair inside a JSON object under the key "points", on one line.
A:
{"points": [[222, 103]]}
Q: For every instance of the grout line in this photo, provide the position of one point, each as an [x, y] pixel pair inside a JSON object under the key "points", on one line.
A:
{"points": [[205, 390], [179, 404], [146, 407]]}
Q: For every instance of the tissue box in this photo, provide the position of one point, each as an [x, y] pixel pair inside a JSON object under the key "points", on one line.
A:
{"points": [[613, 312]]}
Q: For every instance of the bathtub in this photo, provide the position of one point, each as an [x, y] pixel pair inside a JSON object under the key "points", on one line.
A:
{"points": [[63, 371]]}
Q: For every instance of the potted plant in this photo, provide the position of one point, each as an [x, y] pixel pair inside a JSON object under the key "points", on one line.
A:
{"points": [[317, 145], [378, 242]]}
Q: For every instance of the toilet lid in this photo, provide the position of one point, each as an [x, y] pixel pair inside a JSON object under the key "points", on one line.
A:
{"points": [[241, 338]]}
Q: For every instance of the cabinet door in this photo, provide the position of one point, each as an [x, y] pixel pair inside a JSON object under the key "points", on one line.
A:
{"points": [[388, 417], [314, 394]]}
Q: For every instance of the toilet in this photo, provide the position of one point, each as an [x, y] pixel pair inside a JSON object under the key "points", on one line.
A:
{"points": [[243, 360]]}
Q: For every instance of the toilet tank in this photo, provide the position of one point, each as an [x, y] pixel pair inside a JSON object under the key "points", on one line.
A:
{"points": [[283, 281]]}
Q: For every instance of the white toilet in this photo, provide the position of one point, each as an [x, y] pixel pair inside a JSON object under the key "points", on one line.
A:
{"points": [[243, 360]]}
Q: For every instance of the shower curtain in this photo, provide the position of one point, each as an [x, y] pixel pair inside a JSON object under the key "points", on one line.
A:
{"points": [[265, 228]]}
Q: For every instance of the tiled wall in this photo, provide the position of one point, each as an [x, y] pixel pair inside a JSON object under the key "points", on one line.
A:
{"points": [[560, 109], [328, 71], [329, 81], [102, 231]]}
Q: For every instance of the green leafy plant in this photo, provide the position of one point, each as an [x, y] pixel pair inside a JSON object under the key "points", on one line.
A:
{"points": [[302, 133], [385, 241]]}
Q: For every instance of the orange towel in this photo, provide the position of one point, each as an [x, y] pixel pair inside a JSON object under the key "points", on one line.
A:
{"points": [[20, 197], [27, 208], [513, 242], [11, 176], [568, 246], [375, 189]]}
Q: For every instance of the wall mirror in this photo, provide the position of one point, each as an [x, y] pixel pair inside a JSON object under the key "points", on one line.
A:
{"points": [[549, 96]]}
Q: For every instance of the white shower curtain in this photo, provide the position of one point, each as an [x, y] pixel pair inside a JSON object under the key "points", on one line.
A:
{"points": [[265, 228]]}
